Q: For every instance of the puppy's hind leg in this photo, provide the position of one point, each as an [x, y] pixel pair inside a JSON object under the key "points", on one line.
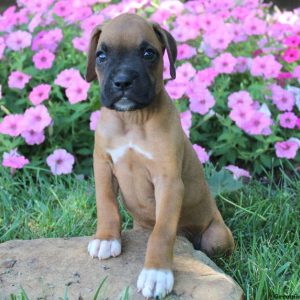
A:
{"points": [[216, 240]]}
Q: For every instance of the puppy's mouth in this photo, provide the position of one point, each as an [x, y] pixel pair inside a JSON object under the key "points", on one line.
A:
{"points": [[125, 104]]}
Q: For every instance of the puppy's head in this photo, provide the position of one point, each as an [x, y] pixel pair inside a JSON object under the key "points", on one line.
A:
{"points": [[126, 54]]}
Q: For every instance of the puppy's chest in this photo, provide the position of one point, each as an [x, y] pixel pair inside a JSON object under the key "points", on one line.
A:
{"points": [[132, 165], [133, 160], [128, 150]]}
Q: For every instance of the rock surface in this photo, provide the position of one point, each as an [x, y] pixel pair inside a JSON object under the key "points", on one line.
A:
{"points": [[52, 268]]}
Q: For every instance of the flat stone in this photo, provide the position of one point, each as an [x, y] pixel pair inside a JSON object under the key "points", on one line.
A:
{"points": [[51, 268]]}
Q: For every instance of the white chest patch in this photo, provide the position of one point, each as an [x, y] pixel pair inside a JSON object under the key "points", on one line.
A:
{"points": [[117, 153]]}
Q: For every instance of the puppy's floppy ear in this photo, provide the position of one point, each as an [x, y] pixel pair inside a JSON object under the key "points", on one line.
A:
{"points": [[90, 68], [168, 43]]}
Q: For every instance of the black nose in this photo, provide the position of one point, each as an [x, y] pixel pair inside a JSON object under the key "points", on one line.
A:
{"points": [[124, 81]]}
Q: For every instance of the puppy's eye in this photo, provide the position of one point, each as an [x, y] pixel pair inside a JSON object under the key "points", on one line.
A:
{"points": [[101, 56], [149, 55]]}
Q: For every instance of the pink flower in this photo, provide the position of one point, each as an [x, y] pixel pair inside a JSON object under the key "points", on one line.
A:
{"points": [[296, 140], [240, 12], [208, 51], [81, 44], [218, 39], [263, 108], [160, 15], [241, 114], [193, 6], [174, 6], [43, 59], [79, 14], [133, 4], [201, 153], [265, 66], [2, 47], [224, 63], [184, 73], [296, 73], [238, 33], [278, 30], [38, 42], [185, 51], [60, 162], [35, 22], [47, 40], [225, 14], [258, 123], [182, 35], [291, 55], [284, 75], [254, 26], [18, 80], [36, 118], [288, 120], [262, 44], [202, 101], [88, 24], [21, 17], [37, 6], [39, 93], [18, 40], [176, 89], [204, 78], [257, 52], [11, 125], [209, 22], [14, 160], [292, 41], [52, 38], [62, 8], [298, 123], [241, 98], [8, 20], [241, 64], [77, 91], [186, 121], [166, 66], [67, 77], [33, 137], [283, 99], [94, 118], [237, 172], [286, 149], [220, 5], [186, 27]]}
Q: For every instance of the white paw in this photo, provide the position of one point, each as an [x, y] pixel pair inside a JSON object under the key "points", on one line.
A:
{"points": [[155, 282], [104, 249]]}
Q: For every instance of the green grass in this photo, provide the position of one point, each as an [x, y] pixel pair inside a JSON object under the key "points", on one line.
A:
{"points": [[263, 216]]}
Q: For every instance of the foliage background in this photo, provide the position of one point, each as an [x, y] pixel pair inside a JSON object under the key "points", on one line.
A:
{"points": [[213, 129]]}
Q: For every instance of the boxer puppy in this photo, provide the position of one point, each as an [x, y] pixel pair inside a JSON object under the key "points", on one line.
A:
{"points": [[142, 152]]}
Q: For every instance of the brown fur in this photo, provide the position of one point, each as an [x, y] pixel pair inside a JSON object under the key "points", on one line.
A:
{"points": [[167, 193]]}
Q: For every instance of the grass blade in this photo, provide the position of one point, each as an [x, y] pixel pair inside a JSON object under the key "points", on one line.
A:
{"points": [[99, 288]]}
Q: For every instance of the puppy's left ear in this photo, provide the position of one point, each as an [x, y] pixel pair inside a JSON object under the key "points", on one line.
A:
{"points": [[168, 43], [90, 68]]}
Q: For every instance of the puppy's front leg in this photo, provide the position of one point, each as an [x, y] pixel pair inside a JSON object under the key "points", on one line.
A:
{"points": [[156, 279], [107, 241]]}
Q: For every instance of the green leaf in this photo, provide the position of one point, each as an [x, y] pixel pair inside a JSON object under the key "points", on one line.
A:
{"points": [[223, 182], [266, 160], [85, 151]]}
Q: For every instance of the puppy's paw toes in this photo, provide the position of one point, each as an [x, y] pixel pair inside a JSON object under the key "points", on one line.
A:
{"points": [[155, 282], [104, 249]]}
